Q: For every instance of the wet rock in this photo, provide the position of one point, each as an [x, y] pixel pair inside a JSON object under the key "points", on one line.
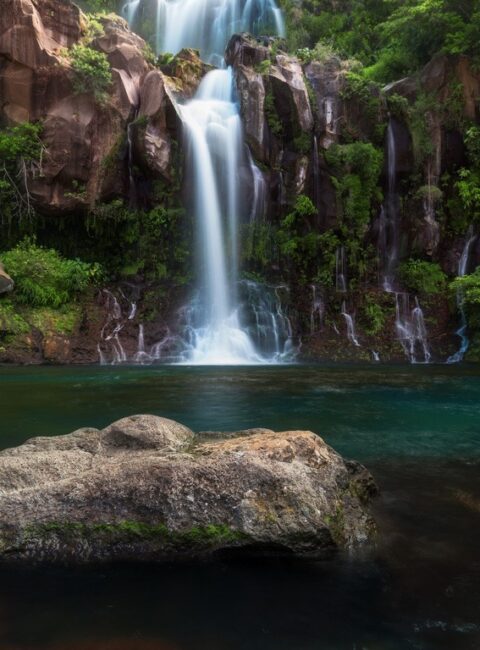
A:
{"points": [[148, 488]]}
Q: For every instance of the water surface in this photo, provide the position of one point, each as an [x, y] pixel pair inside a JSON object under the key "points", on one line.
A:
{"points": [[416, 428]]}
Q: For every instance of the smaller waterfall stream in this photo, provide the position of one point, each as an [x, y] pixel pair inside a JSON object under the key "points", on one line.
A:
{"points": [[340, 270], [389, 217], [350, 326], [317, 310], [411, 329], [462, 271]]}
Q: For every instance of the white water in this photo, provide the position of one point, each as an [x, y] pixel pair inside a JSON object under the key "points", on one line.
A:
{"points": [[352, 337], [411, 329], [340, 270], [214, 327], [317, 310], [129, 10], [389, 217], [462, 271], [214, 146], [207, 25]]}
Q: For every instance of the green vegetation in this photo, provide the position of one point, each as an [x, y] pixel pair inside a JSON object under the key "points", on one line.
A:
{"points": [[357, 169], [92, 71], [391, 39], [20, 158], [373, 315], [98, 6], [43, 278], [421, 276], [469, 285]]}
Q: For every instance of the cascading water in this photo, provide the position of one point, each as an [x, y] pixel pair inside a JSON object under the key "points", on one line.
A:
{"points": [[340, 270], [389, 217], [317, 310], [411, 329], [214, 328], [214, 146], [352, 337], [206, 25], [462, 271], [129, 10]]}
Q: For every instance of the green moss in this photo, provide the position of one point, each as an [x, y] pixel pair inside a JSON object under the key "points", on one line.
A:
{"points": [[336, 525], [62, 320], [131, 531], [273, 120], [114, 155], [11, 321]]}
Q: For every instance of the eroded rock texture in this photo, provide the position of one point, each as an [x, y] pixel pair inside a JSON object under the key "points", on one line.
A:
{"points": [[149, 488]]}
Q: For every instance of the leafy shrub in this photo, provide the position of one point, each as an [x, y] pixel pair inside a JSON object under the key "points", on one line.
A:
{"points": [[469, 286], [374, 317], [422, 277], [92, 71], [20, 156], [43, 278], [357, 169]]}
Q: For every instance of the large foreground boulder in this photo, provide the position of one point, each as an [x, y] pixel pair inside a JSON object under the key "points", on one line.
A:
{"points": [[148, 488]]}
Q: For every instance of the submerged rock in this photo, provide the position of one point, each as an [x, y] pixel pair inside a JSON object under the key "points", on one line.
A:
{"points": [[148, 488]]}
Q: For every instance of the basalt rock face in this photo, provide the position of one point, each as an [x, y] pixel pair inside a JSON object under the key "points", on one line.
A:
{"points": [[85, 139], [147, 488]]}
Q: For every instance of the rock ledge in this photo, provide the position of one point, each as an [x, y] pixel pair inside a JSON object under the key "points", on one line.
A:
{"points": [[148, 488]]}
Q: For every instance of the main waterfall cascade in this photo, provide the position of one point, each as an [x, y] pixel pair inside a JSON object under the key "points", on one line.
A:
{"points": [[206, 25], [227, 322]]}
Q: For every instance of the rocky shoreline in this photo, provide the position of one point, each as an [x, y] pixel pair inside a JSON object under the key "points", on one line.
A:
{"points": [[149, 489]]}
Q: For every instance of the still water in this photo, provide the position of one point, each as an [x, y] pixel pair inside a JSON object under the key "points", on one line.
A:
{"points": [[416, 428]]}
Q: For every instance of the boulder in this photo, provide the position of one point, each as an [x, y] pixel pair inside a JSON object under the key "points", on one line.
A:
{"points": [[6, 282], [148, 488]]}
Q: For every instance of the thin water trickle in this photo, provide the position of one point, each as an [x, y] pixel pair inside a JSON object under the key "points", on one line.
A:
{"points": [[340, 270], [351, 335], [462, 271], [389, 230], [411, 329]]}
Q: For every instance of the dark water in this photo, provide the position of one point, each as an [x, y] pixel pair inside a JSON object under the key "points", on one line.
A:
{"points": [[416, 428]]}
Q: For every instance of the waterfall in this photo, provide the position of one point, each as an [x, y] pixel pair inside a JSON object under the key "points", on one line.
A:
{"points": [[214, 146], [110, 332], [411, 329], [340, 270], [259, 201], [389, 216], [316, 174], [317, 311], [215, 326], [132, 187], [461, 272], [350, 326], [129, 10], [206, 25]]}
